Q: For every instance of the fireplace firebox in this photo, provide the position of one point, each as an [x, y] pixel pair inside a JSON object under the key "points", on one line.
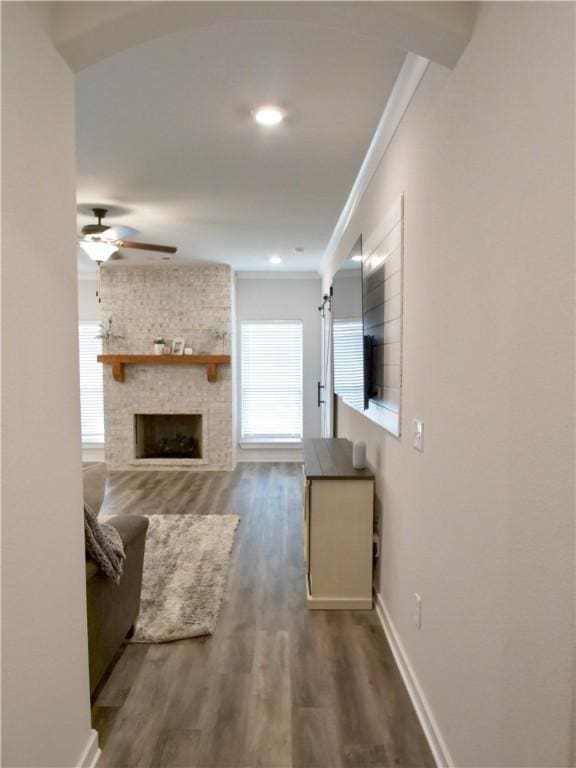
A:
{"points": [[168, 435]]}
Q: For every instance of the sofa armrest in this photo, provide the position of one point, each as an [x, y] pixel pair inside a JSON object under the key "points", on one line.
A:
{"points": [[129, 527], [94, 484], [113, 608], [91, 569]]}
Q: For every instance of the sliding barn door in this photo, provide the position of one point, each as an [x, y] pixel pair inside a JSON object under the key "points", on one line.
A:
{"points": [[327, 407]]}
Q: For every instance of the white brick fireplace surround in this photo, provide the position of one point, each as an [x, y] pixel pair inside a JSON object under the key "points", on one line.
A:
{"points": [[173, 302]]}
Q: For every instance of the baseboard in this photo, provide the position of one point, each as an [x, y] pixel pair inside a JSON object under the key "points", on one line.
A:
{"points": [[423, 710], [91, 753]]}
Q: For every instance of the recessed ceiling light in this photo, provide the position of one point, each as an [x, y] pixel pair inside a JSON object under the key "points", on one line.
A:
{"points": [[275, 260], [268, 115], [357, 257]]}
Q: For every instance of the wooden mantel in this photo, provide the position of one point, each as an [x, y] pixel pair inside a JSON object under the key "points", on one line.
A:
{"points": [[119, 361]]}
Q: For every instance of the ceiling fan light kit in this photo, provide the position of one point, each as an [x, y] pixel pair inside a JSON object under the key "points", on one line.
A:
{"points": [[98, 250]]}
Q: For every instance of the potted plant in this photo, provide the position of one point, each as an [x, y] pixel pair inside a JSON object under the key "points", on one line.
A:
{"points": [[159, 344]]}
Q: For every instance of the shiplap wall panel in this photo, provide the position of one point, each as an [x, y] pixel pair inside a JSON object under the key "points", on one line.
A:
{"points": [[394, 353], [382, 310], [391, 398], [387, 289]]}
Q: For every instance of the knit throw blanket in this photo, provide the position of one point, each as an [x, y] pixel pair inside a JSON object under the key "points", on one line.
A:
{"points": [[103, 545]]}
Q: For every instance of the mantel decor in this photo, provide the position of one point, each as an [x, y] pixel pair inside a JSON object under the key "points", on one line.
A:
{"points": [[119, 361]]}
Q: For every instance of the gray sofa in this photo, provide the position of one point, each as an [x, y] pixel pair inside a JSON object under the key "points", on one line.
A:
{"points": [[112, 608]]}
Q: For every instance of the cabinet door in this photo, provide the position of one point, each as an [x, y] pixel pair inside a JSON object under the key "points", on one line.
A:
{"points": [[307, 525], [340, 540]]}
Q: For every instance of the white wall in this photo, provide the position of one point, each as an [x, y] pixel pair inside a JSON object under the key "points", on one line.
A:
{"points": [[88, 306], [288, 298], [45, 698], [481, 524]]}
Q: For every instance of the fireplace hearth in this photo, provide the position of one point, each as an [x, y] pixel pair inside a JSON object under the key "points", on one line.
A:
{"points": [[168, 436]]}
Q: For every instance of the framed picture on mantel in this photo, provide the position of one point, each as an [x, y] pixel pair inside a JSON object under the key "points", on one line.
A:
{"points": [[177, 346]]}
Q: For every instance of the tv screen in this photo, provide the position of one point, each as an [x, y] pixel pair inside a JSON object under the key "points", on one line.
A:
{"points": [[349, 344]]}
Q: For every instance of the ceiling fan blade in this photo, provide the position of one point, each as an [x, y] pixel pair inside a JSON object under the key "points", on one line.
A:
{"points": [[120, 232], [147, 246]]}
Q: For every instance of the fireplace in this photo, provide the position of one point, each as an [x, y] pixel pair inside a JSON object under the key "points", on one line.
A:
{"points": [[168, 436]]}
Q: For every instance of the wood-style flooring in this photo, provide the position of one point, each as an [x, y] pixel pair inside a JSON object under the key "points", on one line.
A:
{"points": [[276, 686]]}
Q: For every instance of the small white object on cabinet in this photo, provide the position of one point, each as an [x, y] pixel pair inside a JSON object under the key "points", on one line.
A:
{"points": [[359, 455], [338, 526]]}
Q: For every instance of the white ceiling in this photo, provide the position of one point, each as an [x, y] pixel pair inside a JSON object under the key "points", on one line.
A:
{"points": [[164, 134]]}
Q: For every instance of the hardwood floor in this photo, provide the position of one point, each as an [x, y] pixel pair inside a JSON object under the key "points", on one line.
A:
{"points": [[276, 686]]}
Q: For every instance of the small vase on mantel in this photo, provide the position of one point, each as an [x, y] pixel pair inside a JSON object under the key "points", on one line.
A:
{"points": [[220, 336], [159, 344]]}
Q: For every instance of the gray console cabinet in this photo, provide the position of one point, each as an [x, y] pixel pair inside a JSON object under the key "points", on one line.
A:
{"points": [[338, 526]]}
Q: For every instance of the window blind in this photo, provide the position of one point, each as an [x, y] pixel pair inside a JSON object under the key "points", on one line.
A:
{"points": [[91, 384], [349, 361], [271, 381]]}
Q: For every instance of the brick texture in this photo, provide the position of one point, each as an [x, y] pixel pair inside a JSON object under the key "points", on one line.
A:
{"points": [[173, 302]]}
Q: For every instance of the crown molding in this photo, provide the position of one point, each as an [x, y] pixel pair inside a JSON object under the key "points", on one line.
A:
{"points": [[401, 95]]}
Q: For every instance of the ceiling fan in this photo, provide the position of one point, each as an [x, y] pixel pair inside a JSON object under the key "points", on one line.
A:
{"points": [[100, 241]]}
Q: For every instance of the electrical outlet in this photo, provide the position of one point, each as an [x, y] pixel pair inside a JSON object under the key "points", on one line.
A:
{"points": [[418, 434], [417, 611]]}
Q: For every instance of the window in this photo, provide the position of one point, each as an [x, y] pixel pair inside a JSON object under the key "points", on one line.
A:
{"points": [[349, 361], [91, 384], [271, 381]]}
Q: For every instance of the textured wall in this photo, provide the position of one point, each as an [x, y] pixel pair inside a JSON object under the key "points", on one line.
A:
{"points": [[175, 302]]}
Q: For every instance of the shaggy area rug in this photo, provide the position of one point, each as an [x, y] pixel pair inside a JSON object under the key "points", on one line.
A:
{"points": [[185, 569]]}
